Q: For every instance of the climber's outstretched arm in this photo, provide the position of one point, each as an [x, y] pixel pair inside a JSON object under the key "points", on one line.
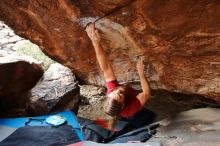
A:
{"points": [[100, 53], [143, 97]]}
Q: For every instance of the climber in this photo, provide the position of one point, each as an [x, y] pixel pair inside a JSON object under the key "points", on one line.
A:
{"points": [[122, 100]]}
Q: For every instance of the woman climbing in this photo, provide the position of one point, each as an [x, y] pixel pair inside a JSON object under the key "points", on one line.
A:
{"points": [[122, 100]]}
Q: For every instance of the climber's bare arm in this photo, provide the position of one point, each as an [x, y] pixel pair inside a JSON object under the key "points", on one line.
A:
{"points": [[100, 53], [143, 96]]}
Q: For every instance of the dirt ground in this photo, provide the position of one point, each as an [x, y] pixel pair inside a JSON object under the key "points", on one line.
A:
{"points": [[92, 102]]}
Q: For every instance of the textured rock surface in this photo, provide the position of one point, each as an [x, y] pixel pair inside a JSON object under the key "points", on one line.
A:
{"points": [[18, 74], [8, 39], [57, 90], [166, 104], [179, 40], [92, 102], [191, 128]]}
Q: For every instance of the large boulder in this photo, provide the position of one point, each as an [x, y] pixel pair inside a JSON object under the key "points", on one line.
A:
{"points": [[178, 39], [18, 74], [56, 91]]}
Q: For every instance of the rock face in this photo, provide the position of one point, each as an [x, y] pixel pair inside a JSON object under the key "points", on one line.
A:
{"points": [[179, 40], [8, 39], [57, 90], [18, 74]]}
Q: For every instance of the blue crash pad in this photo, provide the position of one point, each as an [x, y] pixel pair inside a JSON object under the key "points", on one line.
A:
{"points": [[20, 122]]}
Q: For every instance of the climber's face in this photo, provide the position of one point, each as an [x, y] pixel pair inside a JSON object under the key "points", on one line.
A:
{"points": [[118, 94]]}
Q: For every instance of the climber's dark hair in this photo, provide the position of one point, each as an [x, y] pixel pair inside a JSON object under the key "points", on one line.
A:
{"points": [[112, 107]]}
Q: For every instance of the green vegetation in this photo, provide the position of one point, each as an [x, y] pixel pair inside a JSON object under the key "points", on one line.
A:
{"points": [[30, 49]]}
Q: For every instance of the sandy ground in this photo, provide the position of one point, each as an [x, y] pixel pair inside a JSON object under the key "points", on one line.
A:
{"points": [[92, 102]]}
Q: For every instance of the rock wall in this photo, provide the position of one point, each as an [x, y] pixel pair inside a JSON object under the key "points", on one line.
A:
{"points": [[179, 39]]}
